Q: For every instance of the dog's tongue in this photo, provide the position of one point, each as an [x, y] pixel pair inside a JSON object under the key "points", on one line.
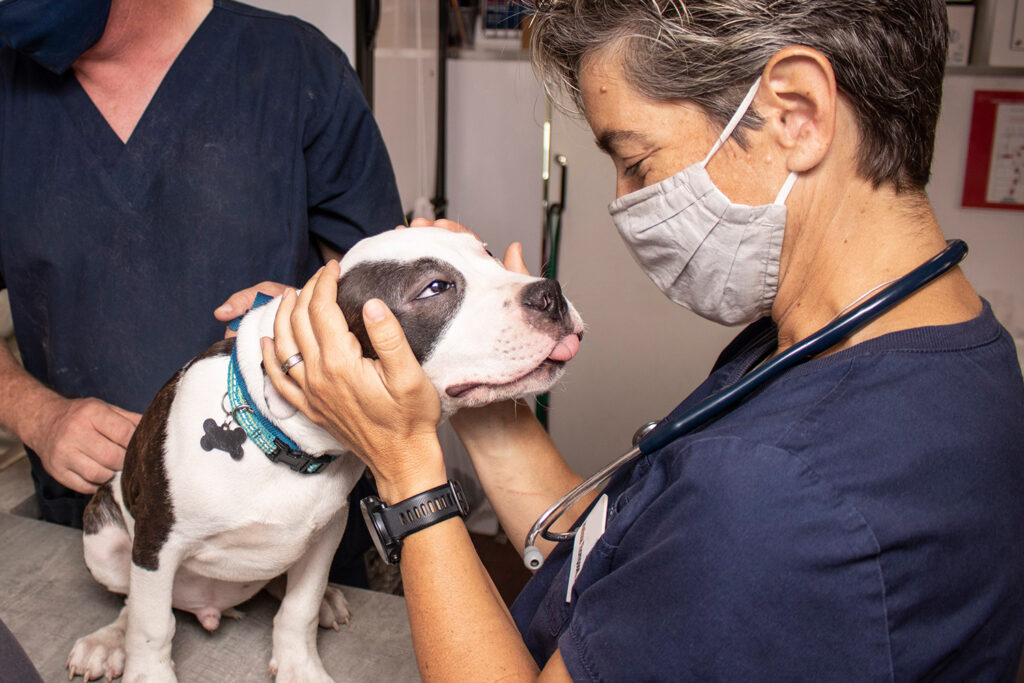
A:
{"points": [[566, 349]]}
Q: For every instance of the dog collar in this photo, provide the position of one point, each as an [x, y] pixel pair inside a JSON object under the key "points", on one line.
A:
{"points": [[265, 434]]}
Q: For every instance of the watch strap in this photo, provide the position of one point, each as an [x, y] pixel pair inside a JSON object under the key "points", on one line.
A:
{"points": [[389, 524], [425, 509]]}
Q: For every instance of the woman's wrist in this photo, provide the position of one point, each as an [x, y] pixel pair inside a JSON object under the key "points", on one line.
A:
{"points": [[425, 470]]}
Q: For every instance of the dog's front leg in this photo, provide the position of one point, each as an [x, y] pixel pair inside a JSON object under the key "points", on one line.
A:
{"points": [[151, 620], [295, 657]]}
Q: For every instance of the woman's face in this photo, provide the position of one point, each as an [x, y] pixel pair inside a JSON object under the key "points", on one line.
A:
{"points": [[649, 141]]}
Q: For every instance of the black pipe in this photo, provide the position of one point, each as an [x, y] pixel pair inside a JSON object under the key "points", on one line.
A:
{"points": [[367, 23], [440, 200]]}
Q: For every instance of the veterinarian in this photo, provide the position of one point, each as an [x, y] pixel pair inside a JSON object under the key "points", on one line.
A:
{"points": [[859, 518], [156, 158]]}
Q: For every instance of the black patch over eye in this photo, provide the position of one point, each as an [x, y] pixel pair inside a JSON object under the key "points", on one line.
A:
{"points": [[434, 288], [396, 283]]}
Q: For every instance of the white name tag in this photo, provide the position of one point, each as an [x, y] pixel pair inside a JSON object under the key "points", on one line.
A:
{"points": [[586, 538]]}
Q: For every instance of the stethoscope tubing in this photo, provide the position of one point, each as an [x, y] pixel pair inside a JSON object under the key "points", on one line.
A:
{"points": [[716, 404]]}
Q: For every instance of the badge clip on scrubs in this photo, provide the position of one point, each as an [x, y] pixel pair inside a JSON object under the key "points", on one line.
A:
{"points": [[718, 403]]}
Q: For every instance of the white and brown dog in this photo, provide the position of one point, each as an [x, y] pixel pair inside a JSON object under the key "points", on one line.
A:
{"points": [[201, 517]]}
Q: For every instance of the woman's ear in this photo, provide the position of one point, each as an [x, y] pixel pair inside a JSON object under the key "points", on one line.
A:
{"points": [[798, 101]]}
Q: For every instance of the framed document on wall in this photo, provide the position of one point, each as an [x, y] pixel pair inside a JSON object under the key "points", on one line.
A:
{"points": [[999, 33], [994, 177]]}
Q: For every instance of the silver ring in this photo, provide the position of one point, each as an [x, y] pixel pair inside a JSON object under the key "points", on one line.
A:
{"points": [[291, 363]]}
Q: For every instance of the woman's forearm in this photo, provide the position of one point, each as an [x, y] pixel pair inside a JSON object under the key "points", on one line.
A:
{"points": [[520, 469], [460, 626]]}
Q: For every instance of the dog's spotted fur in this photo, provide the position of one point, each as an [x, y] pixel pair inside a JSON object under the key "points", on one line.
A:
{"points": [[206, 531]]}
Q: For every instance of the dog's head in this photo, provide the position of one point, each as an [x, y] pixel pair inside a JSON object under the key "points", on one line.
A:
{"points": [[481, 333]]}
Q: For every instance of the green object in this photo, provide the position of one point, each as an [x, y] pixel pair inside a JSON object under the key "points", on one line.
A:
{"points": [[550, 252]]}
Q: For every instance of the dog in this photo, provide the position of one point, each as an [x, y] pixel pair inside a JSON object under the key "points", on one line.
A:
{"points": [[201, 517]]}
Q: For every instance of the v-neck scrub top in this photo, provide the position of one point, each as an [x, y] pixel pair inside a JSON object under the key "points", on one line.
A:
{"points": [[115, 255], [257, 143]]}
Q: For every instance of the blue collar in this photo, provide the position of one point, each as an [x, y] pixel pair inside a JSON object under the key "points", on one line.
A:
{"points": [[261, 431]]}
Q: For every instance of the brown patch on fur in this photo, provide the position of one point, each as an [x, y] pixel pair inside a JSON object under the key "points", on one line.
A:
{"points": [[222, 348], [144, 479], [102, 511]]}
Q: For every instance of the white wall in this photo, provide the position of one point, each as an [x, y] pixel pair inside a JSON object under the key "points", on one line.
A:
{"points": [[405, 93], [495, 158], [995, 264]]}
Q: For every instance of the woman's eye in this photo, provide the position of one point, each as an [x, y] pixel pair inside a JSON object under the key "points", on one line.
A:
{"points": [[631, 171], [434, 288]]}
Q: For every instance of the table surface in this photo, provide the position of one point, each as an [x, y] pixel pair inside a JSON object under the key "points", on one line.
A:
{"points": [[48, 600]]}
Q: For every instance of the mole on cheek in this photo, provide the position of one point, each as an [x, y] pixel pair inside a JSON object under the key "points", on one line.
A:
{"points": [[604, 89]]}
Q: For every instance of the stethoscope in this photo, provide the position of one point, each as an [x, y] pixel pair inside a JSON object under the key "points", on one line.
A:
{"points": [[653, 436]]}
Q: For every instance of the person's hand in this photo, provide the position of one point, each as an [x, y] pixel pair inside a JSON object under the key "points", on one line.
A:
{"points": [[81, 442], [240, 302], [384, 410], [513, 255]]}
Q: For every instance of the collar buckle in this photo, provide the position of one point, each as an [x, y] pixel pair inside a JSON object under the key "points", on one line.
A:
{"points": [[301, 462]]}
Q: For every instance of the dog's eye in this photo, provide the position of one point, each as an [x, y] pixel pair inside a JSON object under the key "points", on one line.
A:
{"points": [[434, 288]]}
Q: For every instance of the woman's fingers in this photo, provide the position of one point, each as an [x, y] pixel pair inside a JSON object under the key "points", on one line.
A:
{"points": [[388, 339], [327, 321], [284, 384], [514, 259], [284, 340], [302, 331], [400, 372]]}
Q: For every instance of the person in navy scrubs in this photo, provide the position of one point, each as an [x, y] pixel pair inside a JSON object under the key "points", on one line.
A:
{"points": [[155, 159], [858, 518]]}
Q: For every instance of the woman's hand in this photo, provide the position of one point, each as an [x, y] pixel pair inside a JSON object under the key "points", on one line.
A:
{"points": [[385, 410]]}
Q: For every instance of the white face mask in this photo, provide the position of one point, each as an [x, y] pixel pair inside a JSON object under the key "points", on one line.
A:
{"points": [[716, 258]]}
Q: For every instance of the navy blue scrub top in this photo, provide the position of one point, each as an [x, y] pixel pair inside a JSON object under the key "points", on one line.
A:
{"points": [[860, 518], [116, 255]]}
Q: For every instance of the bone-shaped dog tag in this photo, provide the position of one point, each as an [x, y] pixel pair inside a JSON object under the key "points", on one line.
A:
{"points": [[223, 438]]}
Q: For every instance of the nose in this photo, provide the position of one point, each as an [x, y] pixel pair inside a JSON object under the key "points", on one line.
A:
{"points": [[545, 300]]}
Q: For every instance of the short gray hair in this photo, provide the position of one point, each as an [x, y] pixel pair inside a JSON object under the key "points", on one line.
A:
{"points": [[888, 56]]}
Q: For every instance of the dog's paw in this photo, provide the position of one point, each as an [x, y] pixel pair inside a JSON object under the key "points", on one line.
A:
{"points": [[299, 670], [97, 655], [148, 671], [334, 609]]}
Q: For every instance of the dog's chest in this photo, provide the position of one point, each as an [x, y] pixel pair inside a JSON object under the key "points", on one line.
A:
{"points": [[245, 517]]}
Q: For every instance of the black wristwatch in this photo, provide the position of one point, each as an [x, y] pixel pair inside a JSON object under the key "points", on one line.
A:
{"points": [[389, 524]]}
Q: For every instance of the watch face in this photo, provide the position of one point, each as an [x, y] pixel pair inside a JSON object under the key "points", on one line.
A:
{"points": [[370, 507]]}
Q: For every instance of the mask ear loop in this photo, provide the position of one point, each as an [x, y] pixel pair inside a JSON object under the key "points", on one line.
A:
{"points": [[734, 121], [786, 188], [730, 128]]}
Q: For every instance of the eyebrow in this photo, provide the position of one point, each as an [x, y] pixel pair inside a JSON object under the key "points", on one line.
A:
{"points": [[609, 141]]}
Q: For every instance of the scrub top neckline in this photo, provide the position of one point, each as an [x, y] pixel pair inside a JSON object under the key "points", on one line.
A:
{"points": [[165, 118]]}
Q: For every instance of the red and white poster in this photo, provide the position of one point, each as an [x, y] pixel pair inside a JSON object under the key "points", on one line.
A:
{"points": [[995, 154]]}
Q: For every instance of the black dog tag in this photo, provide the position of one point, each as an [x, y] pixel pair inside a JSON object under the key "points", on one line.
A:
{"points": [[223, 438]]}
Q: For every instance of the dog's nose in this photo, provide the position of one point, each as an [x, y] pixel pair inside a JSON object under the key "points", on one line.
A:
{"points": [[545, 297]]}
